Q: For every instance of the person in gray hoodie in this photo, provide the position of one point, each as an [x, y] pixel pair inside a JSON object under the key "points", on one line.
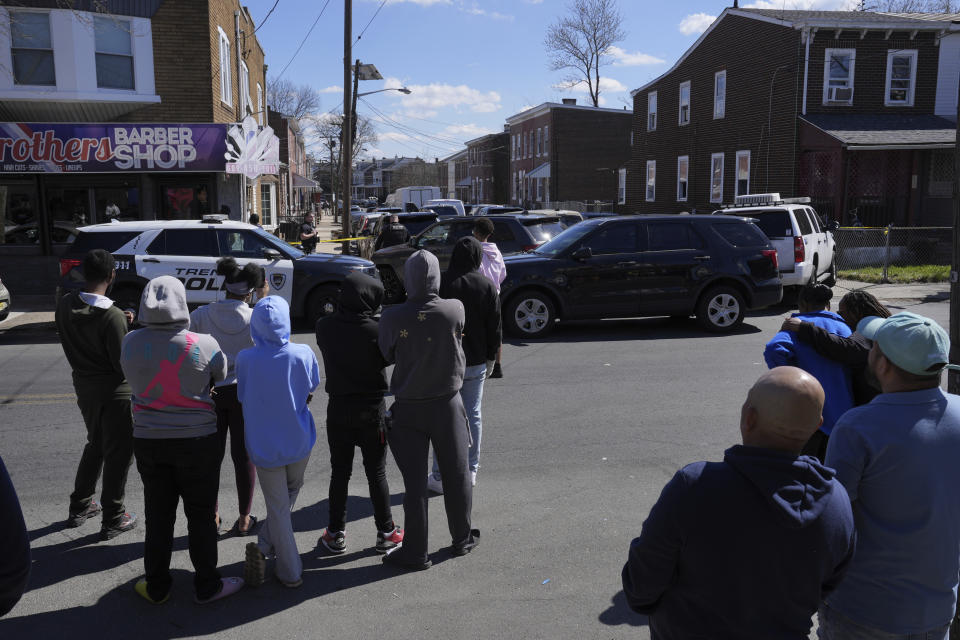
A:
{"points": [[422, 338], [228, 321], [171, 371]]}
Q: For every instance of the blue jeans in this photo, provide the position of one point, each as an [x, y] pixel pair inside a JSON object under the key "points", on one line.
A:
{"points": [[472, 395], [834, 626]]}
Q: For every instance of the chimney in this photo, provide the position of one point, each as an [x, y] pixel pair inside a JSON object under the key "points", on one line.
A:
{"points": [[569, 101]]}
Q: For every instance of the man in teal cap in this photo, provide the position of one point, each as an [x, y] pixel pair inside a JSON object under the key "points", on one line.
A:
{"points": [[897, 457]]}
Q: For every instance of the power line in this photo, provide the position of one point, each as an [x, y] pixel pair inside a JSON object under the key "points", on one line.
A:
{"points": [[409, 129], [264, 21], [302, 42], [364, 30]]}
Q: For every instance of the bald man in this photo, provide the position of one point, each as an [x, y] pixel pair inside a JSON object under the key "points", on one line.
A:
{"points": [[747, 547]]}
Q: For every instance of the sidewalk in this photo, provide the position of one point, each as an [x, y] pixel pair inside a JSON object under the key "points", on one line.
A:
{"points": [[325, 229], [897, 295]]}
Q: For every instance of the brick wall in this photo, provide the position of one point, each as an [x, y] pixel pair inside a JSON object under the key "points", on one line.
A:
{"points": [[586, 150], [491, 166], [764, 74]]}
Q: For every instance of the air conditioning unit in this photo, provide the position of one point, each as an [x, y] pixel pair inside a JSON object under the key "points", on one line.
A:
{"points": [[839, 94]]}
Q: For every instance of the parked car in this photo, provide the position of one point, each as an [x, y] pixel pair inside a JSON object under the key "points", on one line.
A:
{"points": [[189, 249], [416, 196], [496, 210], [414, 222], [512, 233], [716, 267], [804, 243], [588, 215], [456, 204], [442, 210], [567, 217], [61, 232], [4, 302], [473, 209]]}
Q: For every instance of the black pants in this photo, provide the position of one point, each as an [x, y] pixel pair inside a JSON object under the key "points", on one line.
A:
{"points": [[417, 425], [109, 448], [172, 469], [230, 420], [350, 425]]}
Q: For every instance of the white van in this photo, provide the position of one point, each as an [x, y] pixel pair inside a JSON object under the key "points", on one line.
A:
{"points": [[448, 202], [804, 244], [418, 196]]}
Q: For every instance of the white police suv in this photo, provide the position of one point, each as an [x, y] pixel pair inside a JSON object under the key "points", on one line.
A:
{"points": [[189, 249]]}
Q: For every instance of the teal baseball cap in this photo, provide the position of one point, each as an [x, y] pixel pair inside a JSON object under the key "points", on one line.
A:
{"points": [[914, 343]]}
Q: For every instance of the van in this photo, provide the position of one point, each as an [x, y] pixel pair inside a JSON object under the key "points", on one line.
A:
{"points": [[417, 196]]}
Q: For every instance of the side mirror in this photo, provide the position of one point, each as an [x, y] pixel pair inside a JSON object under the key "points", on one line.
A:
{"points": [[834, 225], [583, 253], [271, 254]]}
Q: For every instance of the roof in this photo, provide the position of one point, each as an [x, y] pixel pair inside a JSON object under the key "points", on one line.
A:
{"points": [[540, 109], [886, 130], [836, 20], [485, 137], [147, 225], [455, 156]]}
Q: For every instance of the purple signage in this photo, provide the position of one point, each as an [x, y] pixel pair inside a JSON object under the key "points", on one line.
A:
{"points": [[111, 148]]}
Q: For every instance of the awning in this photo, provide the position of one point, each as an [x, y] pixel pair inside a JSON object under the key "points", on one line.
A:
{"points": [[543, 171], [869, 132], [299, 182], [464, 183]]}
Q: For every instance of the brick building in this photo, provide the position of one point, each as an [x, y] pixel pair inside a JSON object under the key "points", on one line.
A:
{"points": [[488, 168], [454, 182], [158, 82], [567, 153], [296, 186], [839, 106]]}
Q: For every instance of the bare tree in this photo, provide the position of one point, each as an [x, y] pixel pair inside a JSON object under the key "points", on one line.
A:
{"points": [[579, 42], [908, 6], [292, 99], [328, 126]]}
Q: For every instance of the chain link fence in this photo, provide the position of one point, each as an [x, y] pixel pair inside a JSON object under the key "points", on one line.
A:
{"points": [[880, 248]]}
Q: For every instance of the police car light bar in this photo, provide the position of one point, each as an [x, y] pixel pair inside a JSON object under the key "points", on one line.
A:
{"points": [[213, 218], [764, 199]]}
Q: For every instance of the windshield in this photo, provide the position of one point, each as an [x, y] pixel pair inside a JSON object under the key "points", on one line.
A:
{"points": [[564, 240], [280, 245], [442, 209]]}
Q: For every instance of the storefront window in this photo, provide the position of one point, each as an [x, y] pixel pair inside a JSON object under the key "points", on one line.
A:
{"points": [[116, 203], [18, 216], [185, 202]]}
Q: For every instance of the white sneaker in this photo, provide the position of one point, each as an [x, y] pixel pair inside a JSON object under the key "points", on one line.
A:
{"points": [[473, 478], [433, 484]]}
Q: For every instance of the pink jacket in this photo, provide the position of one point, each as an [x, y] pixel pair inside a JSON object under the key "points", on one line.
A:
{"points": [[491, 265]]}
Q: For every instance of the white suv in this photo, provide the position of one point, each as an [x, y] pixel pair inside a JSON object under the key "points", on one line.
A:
{"points": [[804, 243]]}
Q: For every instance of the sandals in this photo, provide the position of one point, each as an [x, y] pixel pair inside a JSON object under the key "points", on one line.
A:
{"points": [[237, 531], [228, 587]]}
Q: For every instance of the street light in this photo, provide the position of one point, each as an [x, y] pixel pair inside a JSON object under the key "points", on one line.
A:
{"points": [[402, 90]]}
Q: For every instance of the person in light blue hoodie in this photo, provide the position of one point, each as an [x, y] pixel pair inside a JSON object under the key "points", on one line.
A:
{"points": [[275, 382], [786, 350]]}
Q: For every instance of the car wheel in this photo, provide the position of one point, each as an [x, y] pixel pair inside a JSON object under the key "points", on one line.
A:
{"points": [[831, 280], [127, 297], [322, 302], [720, 309], [393, 291], [530, 314]]}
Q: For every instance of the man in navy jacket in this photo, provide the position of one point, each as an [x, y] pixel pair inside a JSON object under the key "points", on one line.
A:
{"points": [[747, 547]]}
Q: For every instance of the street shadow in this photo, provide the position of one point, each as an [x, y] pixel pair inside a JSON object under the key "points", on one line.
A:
{"points": [[619, 613], [314, 517], [121, 610], [30, 333], [629, 329]]}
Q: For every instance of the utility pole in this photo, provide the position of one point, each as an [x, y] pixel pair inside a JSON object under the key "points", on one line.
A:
{"points": [[346, 144], [953, 377]]}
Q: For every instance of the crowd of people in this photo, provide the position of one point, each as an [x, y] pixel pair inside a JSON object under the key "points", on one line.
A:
{"points": [[840, 500]]}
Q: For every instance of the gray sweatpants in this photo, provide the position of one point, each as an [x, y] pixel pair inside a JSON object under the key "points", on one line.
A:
{"points": [[417, 425], [280, 487]]}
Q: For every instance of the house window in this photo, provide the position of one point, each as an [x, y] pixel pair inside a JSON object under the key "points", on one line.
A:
{"points": [[245, 88], [266, 204], [539, 142], [540, 189], [652, 111], [546, 146], [530, 144], [226, 86], [838, 76], [685, 102], [651, 180], [716, 177], [743, 173], [631, 138], [622, 186], [683, 167], [523, 151], [901, 77], [719, 94], [114, 53], [32, 49], [259, 104]]}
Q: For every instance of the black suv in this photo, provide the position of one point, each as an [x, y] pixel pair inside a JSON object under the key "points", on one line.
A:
{"points": [[714, 267], [512, 233]]}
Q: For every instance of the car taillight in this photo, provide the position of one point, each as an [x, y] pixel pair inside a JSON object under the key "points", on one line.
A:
{"points": [[799, 253], [530, 247], [66, 264], [772, 254]]}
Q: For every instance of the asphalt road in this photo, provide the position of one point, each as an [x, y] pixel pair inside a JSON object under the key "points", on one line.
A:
{"points": [[579, 438]]}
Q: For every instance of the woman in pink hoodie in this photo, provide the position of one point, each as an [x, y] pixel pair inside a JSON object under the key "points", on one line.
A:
{"points": [[492, 266]]}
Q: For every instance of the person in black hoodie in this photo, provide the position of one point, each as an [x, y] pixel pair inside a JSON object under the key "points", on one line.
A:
{"points": [[91, 330], [15, 563], [356, 383], [747, 547], [481, 339]]}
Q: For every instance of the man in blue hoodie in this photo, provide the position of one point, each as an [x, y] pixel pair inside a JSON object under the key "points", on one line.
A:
{"points": [[275, 380], [747, 547]]}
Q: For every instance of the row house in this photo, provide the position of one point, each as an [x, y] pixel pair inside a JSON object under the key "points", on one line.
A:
{"points": [[144, 99], [855, 109], [374, 178], [296, 188], [454, 179], [488, 168], [564, 152]]}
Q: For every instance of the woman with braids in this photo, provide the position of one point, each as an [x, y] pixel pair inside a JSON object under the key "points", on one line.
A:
{"points": [[229, 322], [786, 350], [851, 351]]}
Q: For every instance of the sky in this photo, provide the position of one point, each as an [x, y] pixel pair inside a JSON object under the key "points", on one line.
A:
{"points": [[470, 64]]}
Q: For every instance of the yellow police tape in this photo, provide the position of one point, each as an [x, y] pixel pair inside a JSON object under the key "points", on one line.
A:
{"points": [[297, 244]]}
